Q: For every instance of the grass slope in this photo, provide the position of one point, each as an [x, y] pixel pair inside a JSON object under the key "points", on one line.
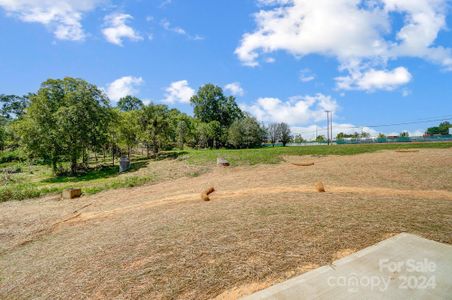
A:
{"points": [[37, 180], [271, 155]]}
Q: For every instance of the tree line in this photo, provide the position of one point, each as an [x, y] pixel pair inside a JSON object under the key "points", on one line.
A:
{"points": [[69, 119]]}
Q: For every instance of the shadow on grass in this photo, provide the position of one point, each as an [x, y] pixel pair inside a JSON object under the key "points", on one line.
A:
{"points": [[97, 173], [170, 154]]}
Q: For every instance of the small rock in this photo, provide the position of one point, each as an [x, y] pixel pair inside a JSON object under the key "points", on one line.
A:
{"points": [[222, 162]]}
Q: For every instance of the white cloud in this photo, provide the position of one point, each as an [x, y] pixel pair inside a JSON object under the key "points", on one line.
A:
{"points": [[179, 30], [178, 91], [375, 80], [306, 75], [63, 17], [124, 86], [116, 29], [235, 89], [297, 110], [361, 35]]}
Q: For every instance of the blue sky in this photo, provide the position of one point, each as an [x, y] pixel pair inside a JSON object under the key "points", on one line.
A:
{"points": [[371, 62]]}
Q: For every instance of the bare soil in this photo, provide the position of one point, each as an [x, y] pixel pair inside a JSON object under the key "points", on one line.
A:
{"points": [[264, 224]]}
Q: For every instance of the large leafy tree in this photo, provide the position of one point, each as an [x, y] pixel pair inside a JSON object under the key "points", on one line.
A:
{"points": [[129, 103], [210, 104], [65, 118], [155, 127], [246, 133], [182, 132], [129, 129], [442, 129]]}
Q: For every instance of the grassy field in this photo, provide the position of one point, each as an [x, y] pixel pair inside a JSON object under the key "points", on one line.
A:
{"points": [[20, 180], [271, 155], [265, 223]]}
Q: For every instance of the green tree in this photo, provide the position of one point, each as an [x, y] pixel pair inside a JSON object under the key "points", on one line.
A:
{"points": [[298, 139], [129, 103], [13, 106], [3, 132], [442, 129], [341, 136], [404, 134], [210, 104], [129, 129], [182, 133], [320, 139], [246, 133], [285, 133], [155, 127], [64, 119]]}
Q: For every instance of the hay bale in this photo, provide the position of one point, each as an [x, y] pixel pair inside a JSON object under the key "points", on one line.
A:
{"points": [[206, 193], [205, 197], [320, 187], [72, 193], [303, 164]]}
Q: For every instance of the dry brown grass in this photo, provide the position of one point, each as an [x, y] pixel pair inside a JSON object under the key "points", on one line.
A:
{"points": [[407, 151], [267, 224]]}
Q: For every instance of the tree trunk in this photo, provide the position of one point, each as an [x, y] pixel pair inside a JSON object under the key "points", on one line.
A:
{"points": [[73, 165], [54, 166], [113, 154], [155, 146]]}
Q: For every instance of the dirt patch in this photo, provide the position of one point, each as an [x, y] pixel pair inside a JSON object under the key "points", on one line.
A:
{"points": [[267, 223]]}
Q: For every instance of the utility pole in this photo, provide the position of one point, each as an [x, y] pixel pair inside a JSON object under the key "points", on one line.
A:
{"points": [[329, 126]]}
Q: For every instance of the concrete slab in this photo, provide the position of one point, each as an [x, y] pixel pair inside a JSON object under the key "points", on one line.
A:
{"points": [[403, 267]]}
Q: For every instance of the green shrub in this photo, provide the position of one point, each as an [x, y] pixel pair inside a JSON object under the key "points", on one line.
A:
{"points": [[10, 156]]}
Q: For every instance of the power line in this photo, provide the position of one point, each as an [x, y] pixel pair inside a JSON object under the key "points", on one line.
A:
{"points": [[418, 121]]}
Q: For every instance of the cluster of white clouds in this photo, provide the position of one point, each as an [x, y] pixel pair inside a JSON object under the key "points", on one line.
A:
{"points": [[375, 79], [63, 17], [295, 111], [178, 92], [124, 86], [235, 89], [361, 35], [116, 29]]}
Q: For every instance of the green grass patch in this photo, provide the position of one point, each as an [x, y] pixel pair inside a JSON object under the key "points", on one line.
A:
{"points": [[270, 155], [32, 181]]}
